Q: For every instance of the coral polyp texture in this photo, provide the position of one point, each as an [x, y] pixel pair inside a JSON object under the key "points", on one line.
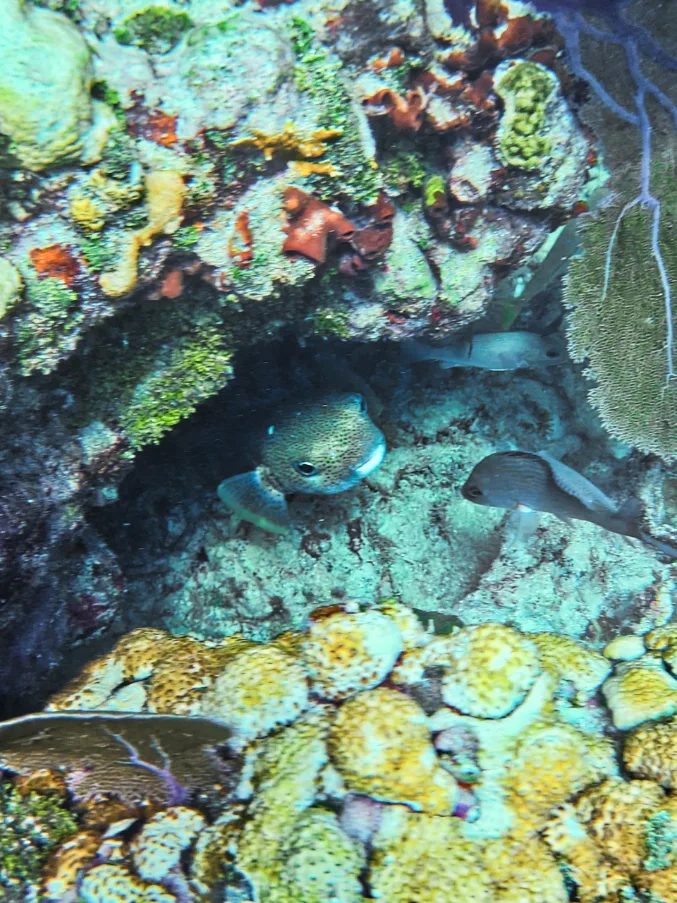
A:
{"points": [[364, 795]]}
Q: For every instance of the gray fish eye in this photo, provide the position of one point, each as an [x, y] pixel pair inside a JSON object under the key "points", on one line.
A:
{"points": [[305, 468], [552, 352], [474, 491]]}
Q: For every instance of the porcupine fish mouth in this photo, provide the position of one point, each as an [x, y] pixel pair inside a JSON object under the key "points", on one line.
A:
{"points": [[374, 460]]}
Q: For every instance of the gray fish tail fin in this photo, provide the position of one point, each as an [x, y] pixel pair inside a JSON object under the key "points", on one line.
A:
{"points": [[633, 510], [253, 498], [667, 546]]}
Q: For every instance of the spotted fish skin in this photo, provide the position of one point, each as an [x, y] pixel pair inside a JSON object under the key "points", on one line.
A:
{"points": [[321, 447], [541, 483]]}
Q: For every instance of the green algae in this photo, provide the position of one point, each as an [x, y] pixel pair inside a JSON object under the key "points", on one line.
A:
{"points": [[155, 29], [155, 368], [31, 826], [186, 237], [11, 284], [433, 188], [193, 371], [404, 169], [100, 251], [331, 322], [525, 89], [49, 326], [319, 75], [119, 155]]}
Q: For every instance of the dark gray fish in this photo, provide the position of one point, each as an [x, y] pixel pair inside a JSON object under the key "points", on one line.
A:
{"points": [[492, 351], [541, 483]]}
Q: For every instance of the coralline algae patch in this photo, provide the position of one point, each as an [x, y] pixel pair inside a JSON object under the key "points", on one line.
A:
{"points": [[377, 761]]}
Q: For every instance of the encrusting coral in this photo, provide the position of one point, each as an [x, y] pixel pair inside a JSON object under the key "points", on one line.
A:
{"points": [[356, 778]]}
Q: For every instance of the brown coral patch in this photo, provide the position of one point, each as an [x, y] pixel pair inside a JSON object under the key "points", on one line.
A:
{"points": [[405, 113], [499, 37], [374, 240], [161, 128], [311, 223], [394, 57], [56, 262], [240, 244], [490, 13]]}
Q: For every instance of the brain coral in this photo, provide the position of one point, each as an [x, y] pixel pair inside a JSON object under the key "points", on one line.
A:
{"points": [[346, 652]]}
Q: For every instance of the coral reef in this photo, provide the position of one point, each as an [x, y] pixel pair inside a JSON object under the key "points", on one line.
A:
{"points": [[162, 212], [357, 799]]}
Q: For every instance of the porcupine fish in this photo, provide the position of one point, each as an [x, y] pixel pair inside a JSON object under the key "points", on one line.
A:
{"points": [[322, 447]]}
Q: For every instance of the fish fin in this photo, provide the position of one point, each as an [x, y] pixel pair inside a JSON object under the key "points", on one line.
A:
{"points": [[667, 548], [578, 486], [632, 508], [251, 497], [447, 365], [522, 523]]}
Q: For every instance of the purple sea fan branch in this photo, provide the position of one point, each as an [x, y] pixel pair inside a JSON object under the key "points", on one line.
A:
{"points": [[571, 28], [178, 794]]}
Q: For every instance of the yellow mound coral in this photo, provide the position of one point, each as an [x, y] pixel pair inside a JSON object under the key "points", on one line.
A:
{"points": [[423, 857], [257, 690], [650, 751], [551, 763], [618, 837], [151, 671], [489, 670], [320, 862], [345, 652], [368, 766], [380, 744], [523, 870], [640, 690], [571, 661], [115, 884], [286, 775], [158, 846]]}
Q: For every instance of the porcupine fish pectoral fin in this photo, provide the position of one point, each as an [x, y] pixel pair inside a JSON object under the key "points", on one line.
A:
{"points": [[251, 497]]}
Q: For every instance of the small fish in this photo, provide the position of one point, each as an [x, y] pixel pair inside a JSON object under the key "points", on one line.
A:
{"points": [[492, 351], [322, 447], [539, 482]]}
